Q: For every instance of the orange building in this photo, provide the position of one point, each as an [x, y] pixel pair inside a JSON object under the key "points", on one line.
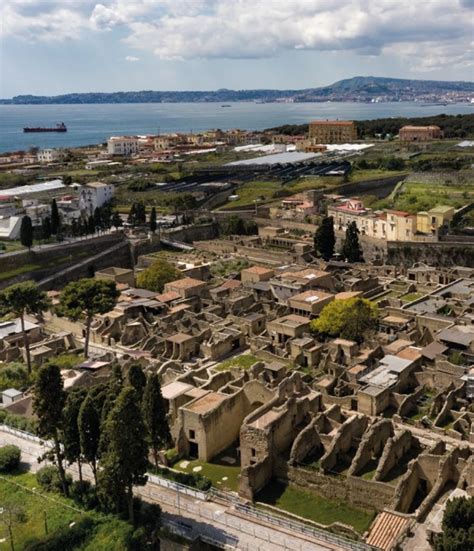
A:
{"points": [[420, 133], [322, 132]]}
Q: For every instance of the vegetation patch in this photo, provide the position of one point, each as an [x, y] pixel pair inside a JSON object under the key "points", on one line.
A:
{"points": [[245, 361], [313, 507]]}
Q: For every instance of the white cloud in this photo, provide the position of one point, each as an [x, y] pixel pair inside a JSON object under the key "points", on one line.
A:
{"points": [[131, 58], [427, 35]]}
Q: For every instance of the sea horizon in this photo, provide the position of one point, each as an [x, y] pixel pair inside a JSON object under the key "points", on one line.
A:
{"points": [[89, 124]]}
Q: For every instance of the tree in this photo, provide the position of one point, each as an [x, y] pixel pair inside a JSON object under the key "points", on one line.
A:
{"points": [[325, 239], [125, 462], [26, 232], [48, 402], [116, 220], [21, 299], [10, 516], [89, 431], [154, 416], [153, 220], [137, 378], [98, 218], [458, 526], [70, 436], [157, 275], [346, 318], [46, 228], [55, 219], [351, 249], [88, 297], [132, 214], [91, 224]]}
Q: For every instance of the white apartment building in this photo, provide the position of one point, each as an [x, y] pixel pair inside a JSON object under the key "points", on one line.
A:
{"points": [[95, 194], [123, 145], [50, 155]]}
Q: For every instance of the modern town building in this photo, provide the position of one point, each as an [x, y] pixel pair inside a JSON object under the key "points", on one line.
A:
{"points": [[323, 132], [419, 133], [95, 194], [123, 145]]}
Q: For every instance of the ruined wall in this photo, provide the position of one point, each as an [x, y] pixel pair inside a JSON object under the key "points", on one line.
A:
{"points": [[356, 491], [435, 254], [394, 450], [371, 445], [345, 439]]}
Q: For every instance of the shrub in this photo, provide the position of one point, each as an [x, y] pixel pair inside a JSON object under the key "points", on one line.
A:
{"points": [[9, 458], [84, 494], [48, 478], [65, 537]]}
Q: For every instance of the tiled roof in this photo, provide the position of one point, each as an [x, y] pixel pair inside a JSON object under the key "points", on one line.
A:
{"points": [[386, 530]]}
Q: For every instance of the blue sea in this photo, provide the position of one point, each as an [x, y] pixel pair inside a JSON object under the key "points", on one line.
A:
{"points": [[90, 124]]}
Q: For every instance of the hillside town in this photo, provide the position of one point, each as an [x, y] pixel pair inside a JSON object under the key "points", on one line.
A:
{"points": [[303, 304]]}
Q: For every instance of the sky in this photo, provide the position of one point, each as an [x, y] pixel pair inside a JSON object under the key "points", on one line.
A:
{"points": [[64, 46]]}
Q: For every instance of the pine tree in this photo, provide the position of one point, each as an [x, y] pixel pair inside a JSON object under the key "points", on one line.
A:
{"points": [[71, 437], [88, 297], [325, 239], [154, 416], [21, 299], [125, 462], [48, 402], [351, 249], [26, 232], [89, 431], [55, 219], [46, 228]]}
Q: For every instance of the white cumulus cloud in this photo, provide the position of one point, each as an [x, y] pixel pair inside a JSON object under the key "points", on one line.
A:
{"points": [[428, 35], [131, 58]]}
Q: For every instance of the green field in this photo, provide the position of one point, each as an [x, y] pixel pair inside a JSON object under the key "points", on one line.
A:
{"points": [[252, 191], [47, 513], [313, 507]]}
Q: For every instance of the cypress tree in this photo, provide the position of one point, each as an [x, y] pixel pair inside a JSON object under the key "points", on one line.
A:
{"points": [[55, 219], [137, 379], [71, 436], [154, 416], [46, 228], [89, 432], [351, 249], [153, 220], [48, 402], [98, 218], [26, 232], [325, 239], [125, 461]]}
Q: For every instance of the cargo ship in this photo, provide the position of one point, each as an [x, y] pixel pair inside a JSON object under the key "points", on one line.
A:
{"points": [[60, 127]]}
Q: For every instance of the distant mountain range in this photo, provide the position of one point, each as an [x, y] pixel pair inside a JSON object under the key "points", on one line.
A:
{"points": [[362, 89]]}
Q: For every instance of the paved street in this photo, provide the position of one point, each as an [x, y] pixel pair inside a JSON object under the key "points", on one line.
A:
{"points": [[220, 522]]}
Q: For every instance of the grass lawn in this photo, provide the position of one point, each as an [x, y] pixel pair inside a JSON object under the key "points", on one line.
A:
{"points": [[216, 470], [314, 507], [58, 512], [245, 361], [10, 246], [251, 191], [410, 297]]}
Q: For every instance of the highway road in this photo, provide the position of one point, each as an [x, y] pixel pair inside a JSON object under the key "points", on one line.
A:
{"points": [[192, 513]]}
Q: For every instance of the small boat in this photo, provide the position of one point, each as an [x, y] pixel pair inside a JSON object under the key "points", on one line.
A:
{"points": [[226, 105], [60, 127]]}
